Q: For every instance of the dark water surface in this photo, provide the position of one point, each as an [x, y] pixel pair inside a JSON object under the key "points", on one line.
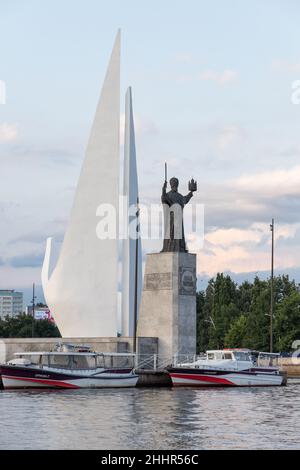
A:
{"points": [[152, 418]]}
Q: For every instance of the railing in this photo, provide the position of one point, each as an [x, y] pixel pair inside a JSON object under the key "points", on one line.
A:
{"points": [[152, 362], [155, 362], [158, 362]]}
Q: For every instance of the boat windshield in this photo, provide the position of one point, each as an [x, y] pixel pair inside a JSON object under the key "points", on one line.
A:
{"points": [[84, 362], [61, 360], [219, 355], [76, 361], [115, 362], [242, 356], [227, 355], [215, 355], [266, 359], [34, 359]]}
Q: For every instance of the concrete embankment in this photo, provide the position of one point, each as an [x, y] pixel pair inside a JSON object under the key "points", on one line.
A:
{"points": [[290, 365], [151, 378]]}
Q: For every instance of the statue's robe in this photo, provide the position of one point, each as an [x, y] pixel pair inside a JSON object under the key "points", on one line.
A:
{"points": [[174, 239]]}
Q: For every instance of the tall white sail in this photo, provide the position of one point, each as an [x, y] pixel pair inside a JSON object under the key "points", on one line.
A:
{"points": [[82, 290], [130, 193]]}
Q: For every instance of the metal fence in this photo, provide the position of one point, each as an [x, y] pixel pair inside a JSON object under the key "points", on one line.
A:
{"points": [[158, 362]]}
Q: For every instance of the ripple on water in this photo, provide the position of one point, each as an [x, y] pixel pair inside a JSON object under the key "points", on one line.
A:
{"points": [[152, 418]]}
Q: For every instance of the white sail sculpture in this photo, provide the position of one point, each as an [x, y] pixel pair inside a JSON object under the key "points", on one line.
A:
{"points": [[81, 292], [130, 193]]}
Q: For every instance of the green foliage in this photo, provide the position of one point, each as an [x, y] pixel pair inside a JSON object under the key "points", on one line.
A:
{"points": [[21, 327], [287, 324], [235, 337], [239, 316]]}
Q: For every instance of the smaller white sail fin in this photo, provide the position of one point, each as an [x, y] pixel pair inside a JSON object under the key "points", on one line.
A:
{"points": [[131, 194]]}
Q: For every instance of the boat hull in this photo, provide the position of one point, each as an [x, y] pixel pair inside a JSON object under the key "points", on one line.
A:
{"points": [[18, 377], [204, 378]]}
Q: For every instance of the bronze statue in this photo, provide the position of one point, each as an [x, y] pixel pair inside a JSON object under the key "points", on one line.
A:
{"points": [[174, 203]]}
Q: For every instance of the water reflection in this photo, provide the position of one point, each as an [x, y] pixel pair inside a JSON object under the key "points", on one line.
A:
{"points": [[148, 418]]}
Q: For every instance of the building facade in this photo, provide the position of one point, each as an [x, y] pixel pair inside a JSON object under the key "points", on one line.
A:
{"points": [[11, 303]]}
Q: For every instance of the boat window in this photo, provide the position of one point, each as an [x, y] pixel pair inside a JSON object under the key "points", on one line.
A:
{"points": [[100, 361], [210, 356], [59, 360], [124, 361], [227, 355], [267, 360], [218, 355], [34, 359], [45, 360], [241, 356], [118, 362], [84, 362]]}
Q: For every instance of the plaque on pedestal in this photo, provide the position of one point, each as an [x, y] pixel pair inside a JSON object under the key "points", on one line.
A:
{"points": [[168, 305]]}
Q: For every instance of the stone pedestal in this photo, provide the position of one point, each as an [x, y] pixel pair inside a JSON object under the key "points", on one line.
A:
{"points": [[168, 304]]}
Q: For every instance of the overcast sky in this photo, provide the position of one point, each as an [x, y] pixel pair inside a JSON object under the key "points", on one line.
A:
{"points": [[212, 85]]}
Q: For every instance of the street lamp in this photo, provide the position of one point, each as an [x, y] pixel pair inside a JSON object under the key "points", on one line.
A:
{"points": [[272, 288], [33, 309]]}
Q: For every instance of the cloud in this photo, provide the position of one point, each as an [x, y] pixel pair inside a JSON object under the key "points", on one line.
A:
{"points": [[222, 78], [286, 65], [254, 234], [281, 182], [142, 127], [227, 237], [228, 137], [8, 132], [39, 237], [248, 250], [13, 278], [26, 261], [184, 57], [225, 77]]}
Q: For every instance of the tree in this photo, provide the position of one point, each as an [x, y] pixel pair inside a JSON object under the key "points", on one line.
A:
{"points": [[224, 310], [235, 337], [258, 321], [202, 332], [21, 327], [287, 321], [239, 316]]}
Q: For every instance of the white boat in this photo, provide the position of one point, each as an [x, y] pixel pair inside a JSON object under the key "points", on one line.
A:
{"points": [[78, 368], [227, 367]]}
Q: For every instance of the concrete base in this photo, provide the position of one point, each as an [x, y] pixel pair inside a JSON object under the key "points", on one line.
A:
{"points": [[168, 305], [150, 378]]}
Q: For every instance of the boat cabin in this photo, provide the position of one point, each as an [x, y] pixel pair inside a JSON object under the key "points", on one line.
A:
{"points": [[229, 354], [74, 360]]}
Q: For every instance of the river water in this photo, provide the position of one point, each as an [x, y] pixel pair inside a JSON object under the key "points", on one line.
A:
{"points": [[152, 418]]}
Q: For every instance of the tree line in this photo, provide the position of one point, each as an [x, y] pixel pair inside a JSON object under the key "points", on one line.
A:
{"points": [[22, 326], [228, 315], [238, 316]]}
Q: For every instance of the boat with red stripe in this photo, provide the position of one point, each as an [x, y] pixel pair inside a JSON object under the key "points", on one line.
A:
{"points": [[228, 368], [71, 367]]}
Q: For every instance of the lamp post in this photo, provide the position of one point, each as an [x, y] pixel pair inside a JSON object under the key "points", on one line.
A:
{"points": [[33, 310], [272, 288], [136, 274]]}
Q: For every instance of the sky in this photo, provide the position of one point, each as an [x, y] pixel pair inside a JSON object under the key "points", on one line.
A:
{"points": [[212, 87]]}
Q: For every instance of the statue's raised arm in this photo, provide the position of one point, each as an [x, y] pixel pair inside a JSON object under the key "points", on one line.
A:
{"points": [[192, 186]]}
